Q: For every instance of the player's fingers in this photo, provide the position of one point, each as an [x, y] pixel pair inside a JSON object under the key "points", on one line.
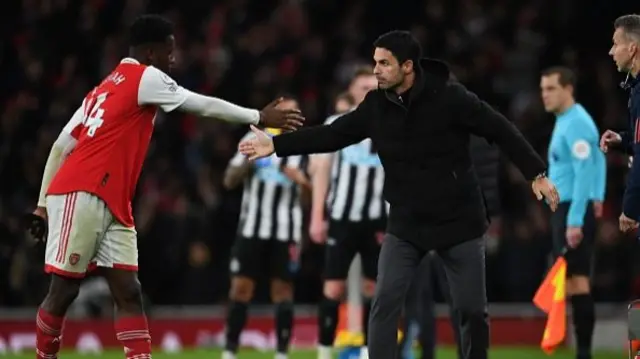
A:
{"points": [[294, 123], [295, 117], [292, 111], [275, 102]]}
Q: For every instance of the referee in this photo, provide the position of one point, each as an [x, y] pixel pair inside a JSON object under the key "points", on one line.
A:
{"points": [[578, 168], [357, 218], [269, 231], [420, 123]]}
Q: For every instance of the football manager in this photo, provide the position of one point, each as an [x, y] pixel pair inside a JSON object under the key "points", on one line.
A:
{"points": [[420, 123]]}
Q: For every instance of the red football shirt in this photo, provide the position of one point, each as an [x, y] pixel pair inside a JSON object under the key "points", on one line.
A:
{"points": [[113, 128]]}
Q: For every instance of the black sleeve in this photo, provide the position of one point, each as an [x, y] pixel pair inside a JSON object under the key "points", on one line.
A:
{"points": [[344, 131], [486, 160], [477, 117]]}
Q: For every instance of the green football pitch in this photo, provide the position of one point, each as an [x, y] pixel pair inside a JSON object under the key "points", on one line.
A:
{"points": [[498, 353]]}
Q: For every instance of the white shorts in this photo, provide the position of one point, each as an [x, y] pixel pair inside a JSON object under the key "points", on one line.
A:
{"points": [[83, 235]]}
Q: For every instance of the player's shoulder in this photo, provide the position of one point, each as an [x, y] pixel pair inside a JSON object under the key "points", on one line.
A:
{"points": [[334, 117], [156, 76]]}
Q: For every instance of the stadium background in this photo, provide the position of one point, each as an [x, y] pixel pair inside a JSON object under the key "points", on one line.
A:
{"points": [[246, 51]]}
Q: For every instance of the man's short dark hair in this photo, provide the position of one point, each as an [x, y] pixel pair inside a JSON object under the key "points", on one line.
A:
{"points": [[566, 76], [402, 45], [630, 24], [150, 29]]}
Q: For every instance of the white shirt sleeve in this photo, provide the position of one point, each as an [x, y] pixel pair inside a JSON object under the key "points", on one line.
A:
{"points": [[74, 126], [61, 148], [158, 88]]}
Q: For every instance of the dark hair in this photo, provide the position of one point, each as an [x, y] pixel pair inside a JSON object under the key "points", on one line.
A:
{"points": [[630, 24], [402, 45], [149, 29], [566, 76], [363, 70]]}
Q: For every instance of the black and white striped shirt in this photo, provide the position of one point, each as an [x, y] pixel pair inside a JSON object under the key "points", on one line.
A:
{"points": [[357, 181], [270, 200]]}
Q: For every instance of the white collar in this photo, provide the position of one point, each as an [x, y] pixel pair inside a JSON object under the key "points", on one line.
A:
{"points": [[130, 60]]}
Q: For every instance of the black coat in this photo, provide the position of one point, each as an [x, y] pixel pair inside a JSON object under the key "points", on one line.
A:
{"points": [[486, 160], [423, 143]]}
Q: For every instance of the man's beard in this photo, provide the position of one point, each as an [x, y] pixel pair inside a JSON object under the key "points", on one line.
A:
{"points": [[396, 84]]}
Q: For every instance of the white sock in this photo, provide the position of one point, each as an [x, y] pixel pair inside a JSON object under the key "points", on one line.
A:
{"points": [[228, 355], [324, 352], [281, 356], [364, 353]]}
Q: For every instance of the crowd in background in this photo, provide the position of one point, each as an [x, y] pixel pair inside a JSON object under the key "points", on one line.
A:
{"points": [[53, 51]]}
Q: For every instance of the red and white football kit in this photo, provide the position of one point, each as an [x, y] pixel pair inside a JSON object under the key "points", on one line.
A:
{"points": [[89, 196]]}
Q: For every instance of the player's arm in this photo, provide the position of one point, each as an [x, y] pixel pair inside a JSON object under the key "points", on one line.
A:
{"points": [[62, 146], [583, 146], [348, 129], [237, 170], [631, 202], [320, 171], [157, 88], [479, 118], [294, 171]]}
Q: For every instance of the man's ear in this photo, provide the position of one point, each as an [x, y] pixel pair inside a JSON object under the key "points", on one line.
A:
{"points": [[407, 66]]}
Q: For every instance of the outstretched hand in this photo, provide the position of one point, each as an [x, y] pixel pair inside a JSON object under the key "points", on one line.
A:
{"points": [[275, 117], [259, 146]]}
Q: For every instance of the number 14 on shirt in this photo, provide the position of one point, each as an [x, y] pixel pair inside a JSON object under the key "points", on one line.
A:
{"points": [[93, 112]]}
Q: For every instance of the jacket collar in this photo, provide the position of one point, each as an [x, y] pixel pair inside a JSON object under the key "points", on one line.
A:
{"points": [[431, 77]]}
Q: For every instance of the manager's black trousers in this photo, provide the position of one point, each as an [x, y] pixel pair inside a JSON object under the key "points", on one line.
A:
{"points": [[464, 265], [419, 307]]}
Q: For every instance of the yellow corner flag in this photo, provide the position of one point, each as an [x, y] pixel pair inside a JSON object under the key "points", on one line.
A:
{"points": [[550, 298]]}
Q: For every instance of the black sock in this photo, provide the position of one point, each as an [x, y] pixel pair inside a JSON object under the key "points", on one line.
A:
{"points": [[284, 324], [328, 321], [236, 320], [583, 321], [366, 309]]}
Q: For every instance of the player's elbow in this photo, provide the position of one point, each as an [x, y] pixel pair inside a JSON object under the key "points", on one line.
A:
{"points": [[231, 179], [228, 183]]}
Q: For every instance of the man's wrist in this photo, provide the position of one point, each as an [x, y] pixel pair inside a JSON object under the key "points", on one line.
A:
{"points": [[260, 118], [540, 175]]}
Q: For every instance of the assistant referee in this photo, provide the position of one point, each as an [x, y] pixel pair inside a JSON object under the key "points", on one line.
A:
{"points": [[420, 123], [579, 168]]}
